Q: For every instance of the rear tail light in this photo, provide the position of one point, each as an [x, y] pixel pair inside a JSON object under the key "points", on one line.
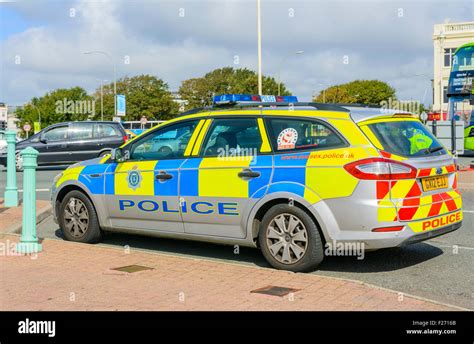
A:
{"points": [[380, 169], [125, 138], [388, 229]]}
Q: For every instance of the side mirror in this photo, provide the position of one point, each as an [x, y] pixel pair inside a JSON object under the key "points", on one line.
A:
{"points": [[43, 140], [118, 155]]}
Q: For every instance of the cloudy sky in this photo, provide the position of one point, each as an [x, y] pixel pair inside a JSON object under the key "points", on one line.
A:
{"points": [[42, 42]]}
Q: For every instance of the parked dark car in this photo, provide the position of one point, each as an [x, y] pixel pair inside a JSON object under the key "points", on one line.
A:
{"points": [[70, 142]]}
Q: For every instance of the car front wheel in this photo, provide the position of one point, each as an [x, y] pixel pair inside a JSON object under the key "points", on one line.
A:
{"points": [[290, 240], [78, 218]]}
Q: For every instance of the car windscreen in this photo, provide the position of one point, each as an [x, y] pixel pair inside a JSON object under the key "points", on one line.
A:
{"points": [[406, 138]]}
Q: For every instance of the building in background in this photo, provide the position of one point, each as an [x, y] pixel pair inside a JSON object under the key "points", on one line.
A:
{"points": [[446, 39], [177, 99], [3, 116]]}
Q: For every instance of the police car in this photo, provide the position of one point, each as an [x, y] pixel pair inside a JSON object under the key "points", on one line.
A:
{"points": [[288, 177]]}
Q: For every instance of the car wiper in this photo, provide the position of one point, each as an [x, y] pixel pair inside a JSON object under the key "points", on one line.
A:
{"points": [[432, 150]]}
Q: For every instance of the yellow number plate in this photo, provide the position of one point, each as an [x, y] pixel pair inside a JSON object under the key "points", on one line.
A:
{"points": [[434, 183]]}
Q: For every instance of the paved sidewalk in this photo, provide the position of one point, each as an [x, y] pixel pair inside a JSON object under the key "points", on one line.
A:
{"points": [[10, 218], [71, 276]]}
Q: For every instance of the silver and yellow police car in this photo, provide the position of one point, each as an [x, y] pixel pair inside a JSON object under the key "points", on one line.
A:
{"points": [[270, 172]]}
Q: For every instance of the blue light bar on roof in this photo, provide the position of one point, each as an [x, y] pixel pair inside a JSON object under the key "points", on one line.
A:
{"points": [[252, 98]]}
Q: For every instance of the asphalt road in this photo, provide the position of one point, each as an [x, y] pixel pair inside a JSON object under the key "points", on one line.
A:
{"points": [[440, 269]]}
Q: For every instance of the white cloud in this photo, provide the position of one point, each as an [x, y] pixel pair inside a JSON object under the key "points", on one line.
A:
{"points": [[159, 40]]}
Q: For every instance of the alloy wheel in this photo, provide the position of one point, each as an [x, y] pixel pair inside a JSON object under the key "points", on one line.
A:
{"points": [[287, 238], [76, 217]]}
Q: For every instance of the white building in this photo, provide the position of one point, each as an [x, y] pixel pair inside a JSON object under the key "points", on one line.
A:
{"points": [[446, 39], [177, 99], [3, 112]]}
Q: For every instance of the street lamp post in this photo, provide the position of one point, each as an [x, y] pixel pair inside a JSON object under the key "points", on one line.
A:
{"points": [[323, 85], [115, 73], [39, 113], [259, 42], [299, 52], [101, 98]]}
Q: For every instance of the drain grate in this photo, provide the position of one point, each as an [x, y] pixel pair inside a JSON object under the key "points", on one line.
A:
{"points": [[275, 291], [132, 268]]}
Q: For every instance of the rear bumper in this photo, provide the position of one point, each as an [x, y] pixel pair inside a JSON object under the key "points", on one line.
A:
{"points": [[357, 228], [431, 234]]}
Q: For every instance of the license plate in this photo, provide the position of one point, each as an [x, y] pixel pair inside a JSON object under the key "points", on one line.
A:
{"points": [[434, 183]]}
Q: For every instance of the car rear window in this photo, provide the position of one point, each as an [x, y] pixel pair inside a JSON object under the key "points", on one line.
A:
{"points": [[406, 138]]}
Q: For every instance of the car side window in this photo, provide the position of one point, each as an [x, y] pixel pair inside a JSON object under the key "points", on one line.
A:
{"points": [[105, 130], [294, 134], [233, 137], [166, 143], [56, 134], [80, 131]]}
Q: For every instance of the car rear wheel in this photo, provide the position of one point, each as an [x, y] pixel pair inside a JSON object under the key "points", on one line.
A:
{"points": [[290, 240], [78, 218], [104, 153]]}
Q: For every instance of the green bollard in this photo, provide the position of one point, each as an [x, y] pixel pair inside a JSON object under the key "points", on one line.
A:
{"points": [[29, 241], [11, 190]]}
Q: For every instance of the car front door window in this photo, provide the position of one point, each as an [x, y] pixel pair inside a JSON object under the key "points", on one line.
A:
{"points": [[166, 143], [56, 134]]}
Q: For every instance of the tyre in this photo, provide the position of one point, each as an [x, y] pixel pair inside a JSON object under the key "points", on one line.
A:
{"points": [[290, 239], [104, 153], [78, 218]]}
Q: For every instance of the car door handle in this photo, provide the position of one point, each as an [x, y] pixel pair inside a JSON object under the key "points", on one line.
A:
{"points": [[248, 173], [96, 175], [163, 176]]}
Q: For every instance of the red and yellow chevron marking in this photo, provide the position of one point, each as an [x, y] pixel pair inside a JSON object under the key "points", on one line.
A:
{"points": [[430, 172], [392, 156], [429, 206], [410, 203]]}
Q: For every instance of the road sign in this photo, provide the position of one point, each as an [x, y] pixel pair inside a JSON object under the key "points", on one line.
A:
{"points": [[27, 127], [121, 106], [36, 127]]}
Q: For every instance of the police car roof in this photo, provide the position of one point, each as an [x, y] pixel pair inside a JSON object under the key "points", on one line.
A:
{"points": [[357, 112], [268, 106]]}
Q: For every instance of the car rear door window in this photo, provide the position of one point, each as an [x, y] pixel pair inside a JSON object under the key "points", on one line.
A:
{"points": [[80, 131], [238, 136], [295, 134], [106, 130]]}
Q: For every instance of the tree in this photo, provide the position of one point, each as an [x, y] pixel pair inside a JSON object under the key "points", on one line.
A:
{"points": [[358, 91], [61, 105], [198, 92], [146, 95]]}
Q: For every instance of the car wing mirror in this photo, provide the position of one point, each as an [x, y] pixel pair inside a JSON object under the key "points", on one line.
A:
{"points": [[118, 155]]}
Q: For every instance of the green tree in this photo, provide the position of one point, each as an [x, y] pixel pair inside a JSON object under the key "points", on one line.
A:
{"points": [[61, 105], [358, 91], [198, 92], [146, 95]]}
